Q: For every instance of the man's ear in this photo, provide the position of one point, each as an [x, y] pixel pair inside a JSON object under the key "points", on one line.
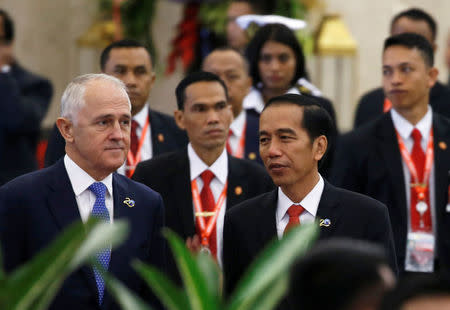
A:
{"points": [[433, 75], [65, 127], [320, 147], [179, 118]]}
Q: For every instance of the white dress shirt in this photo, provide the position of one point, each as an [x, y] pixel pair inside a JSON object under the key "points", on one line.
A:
{"points": [[237, 128], [254, 99], [220, 170], [405, 128], [310, 203], [81, 181], [147, 148]]}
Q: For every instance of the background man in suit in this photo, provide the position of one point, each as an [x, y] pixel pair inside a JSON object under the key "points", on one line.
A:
{"points": [[205, 114], [25, 98], [387, 159], [232, 68], [374, 103], [294, 132], [95, 122], [130, 62]]}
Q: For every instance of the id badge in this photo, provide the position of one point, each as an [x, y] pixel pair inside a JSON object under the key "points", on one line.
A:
{"points": [[420, 252]]}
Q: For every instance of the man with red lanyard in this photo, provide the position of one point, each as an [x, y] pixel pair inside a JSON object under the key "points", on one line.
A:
{"points": [[403, 159], [232, 68], [152, 132], [202, 181]]}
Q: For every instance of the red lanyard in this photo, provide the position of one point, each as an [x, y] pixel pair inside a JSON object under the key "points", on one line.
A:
{"points": [[419, 185], [206, 229], [387, 105], [240, 148], [131, 159]]}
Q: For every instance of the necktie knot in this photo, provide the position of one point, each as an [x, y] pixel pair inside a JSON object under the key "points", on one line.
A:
{"points": [[99, 190], [295, 210], [416, 135], [207, 176]]}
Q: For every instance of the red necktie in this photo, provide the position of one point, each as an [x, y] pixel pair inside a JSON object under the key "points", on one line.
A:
{"points": [[294, 212], [208, 205], [229, 150], [418, 157], [134, 140]]}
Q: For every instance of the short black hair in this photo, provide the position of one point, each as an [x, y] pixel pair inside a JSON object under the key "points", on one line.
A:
{"points": [[8, 27], [411, 41], [230, 49], [125, 43], [195, 77], [316, 120], [416, 286], [280, 34], [417, 14], [340, 270]]}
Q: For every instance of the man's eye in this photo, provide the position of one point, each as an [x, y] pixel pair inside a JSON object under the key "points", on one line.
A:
{"points": [[119, 70], [263, 140], [221, 106], [284, 58], [266, 58]]}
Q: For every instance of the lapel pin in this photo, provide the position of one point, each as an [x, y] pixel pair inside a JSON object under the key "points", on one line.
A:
{"points": [[130, 203], [238, 190], [160, 137], [443, 145], [252, 156], [324, 222]]}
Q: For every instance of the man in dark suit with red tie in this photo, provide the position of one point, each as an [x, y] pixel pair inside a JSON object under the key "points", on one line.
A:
{"points": [[374, 103], [403, 158], [152, 133], [198, 184], [232, 68], [294, 131]]}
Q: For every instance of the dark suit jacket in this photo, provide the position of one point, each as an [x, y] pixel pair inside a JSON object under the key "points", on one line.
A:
{"points": [[252, 136], [169, 175], [165, 137], [25, 98], [370, 163], [370, 105], [251, 225], [29, 222]]}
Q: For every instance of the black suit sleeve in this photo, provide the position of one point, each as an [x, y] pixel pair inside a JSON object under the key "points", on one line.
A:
{"points": [[370, 106]]}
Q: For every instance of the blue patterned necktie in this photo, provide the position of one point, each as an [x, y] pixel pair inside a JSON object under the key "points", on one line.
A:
{"points": [[101, 212]]}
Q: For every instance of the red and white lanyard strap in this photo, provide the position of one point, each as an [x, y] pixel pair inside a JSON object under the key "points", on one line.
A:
{"points": [[420, 186], [206, 229], [240, 148], [134, 160]]}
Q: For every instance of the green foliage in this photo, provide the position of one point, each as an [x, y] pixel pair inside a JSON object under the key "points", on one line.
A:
{"points": [[262, 287], [35, 284]]}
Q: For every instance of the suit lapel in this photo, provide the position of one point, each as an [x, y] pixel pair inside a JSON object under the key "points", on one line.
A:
{"points": [[390, 152], [237, 183], [182, 182], [63, 205], [441, 165], [266, 218], [327, 211]]}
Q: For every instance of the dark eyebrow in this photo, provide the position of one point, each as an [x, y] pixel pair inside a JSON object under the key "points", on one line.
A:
{"points": [[285, 130]]}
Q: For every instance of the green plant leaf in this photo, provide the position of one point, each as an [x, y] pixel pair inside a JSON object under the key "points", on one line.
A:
{"points": [[211, 273], [42, 276], [170, 295], [195, 284], [269, 298], [123, 295], [273, 262]]}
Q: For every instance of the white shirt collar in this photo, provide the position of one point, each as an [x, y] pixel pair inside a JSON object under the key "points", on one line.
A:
{"points": [[404, 127], [310, 203], [141, 117], [197, 166], [254, 99], [237, 126], [80, 179]]}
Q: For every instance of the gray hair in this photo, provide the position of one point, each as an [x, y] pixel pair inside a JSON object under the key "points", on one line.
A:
{"points": [[73, 100]]}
